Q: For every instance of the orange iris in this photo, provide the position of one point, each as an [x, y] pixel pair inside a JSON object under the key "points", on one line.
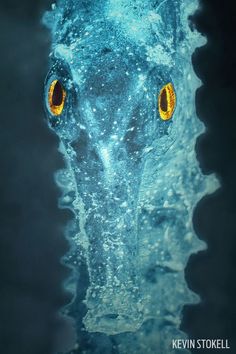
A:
{"points": [[167, 102], [56, 97]]}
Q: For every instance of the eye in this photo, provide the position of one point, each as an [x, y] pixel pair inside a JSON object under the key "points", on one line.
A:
{"points": [[167, 102], [56, 98]]}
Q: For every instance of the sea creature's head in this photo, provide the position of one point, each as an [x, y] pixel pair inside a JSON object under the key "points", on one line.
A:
{"points": [[111, 95]]}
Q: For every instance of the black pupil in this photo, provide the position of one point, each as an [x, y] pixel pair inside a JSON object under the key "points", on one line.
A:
{"points": [[57, 97], [163, 102]]}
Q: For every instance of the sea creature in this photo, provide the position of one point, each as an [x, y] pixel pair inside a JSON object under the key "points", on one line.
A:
{"points": [[120, 95]]}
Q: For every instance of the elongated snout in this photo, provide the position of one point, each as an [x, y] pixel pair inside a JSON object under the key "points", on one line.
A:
{"points": [[110, 199]]}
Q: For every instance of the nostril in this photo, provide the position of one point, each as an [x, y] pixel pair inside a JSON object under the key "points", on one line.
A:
{"points": [[106, 50]]}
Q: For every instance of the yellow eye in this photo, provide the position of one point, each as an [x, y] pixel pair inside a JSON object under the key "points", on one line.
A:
{"points": [[56, 97], [167, 102]]}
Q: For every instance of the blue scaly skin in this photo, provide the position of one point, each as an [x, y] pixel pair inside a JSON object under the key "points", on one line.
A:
{"points": [[132, 179]]}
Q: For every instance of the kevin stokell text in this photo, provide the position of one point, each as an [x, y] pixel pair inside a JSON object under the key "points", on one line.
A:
{"points": [[200, 344]]}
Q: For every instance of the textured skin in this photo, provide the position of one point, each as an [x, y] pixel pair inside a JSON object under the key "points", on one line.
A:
{"points": [[132, 179]]}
